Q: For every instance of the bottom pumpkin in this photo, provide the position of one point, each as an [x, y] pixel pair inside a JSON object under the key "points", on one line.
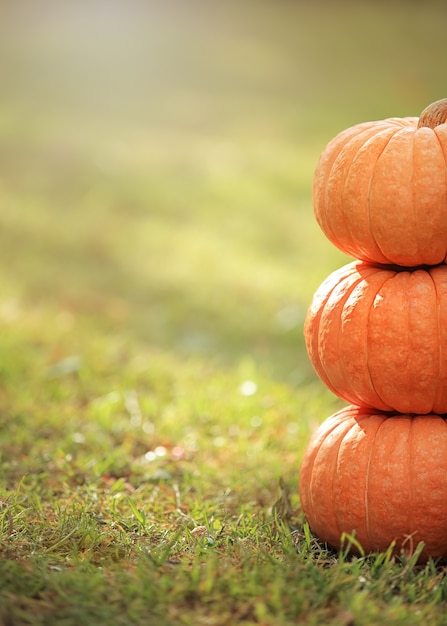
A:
{"points": [[381, 477]]}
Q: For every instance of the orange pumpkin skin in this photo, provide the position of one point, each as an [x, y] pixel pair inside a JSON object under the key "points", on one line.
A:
{"points": [[379, 477], [380, 192], [378, 337]]}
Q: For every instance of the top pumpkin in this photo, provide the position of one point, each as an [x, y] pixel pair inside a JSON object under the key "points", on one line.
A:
{"points": [[380, 189]]}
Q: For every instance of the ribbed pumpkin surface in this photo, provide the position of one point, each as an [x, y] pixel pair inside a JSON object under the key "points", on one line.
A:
{"points": [[380, 192], [382, 478], [378, 337]]}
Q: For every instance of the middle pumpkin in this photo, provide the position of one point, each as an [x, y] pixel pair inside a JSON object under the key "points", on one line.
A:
{"points": [[377, 336]]}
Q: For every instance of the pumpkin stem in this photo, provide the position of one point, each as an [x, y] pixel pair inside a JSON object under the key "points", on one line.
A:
{"points": [[434, 115]]}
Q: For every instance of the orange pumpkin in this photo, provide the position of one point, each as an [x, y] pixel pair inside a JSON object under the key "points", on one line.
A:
{"points": [[380, 189], [377, 336], [380, 478]]}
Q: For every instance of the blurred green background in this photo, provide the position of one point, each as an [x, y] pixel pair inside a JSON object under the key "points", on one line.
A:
{"points": [[156, 160]]}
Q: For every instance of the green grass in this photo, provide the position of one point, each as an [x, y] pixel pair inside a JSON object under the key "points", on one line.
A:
{"points": [[158, 254]]}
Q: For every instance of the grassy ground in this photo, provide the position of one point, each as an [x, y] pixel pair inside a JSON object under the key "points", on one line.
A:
{"points": [[159, 253]]}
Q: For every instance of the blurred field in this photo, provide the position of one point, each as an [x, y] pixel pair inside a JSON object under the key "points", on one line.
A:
{"points": [[156, 158]]}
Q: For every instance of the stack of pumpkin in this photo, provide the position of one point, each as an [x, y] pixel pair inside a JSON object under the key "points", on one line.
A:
{"points": [[376, 334]]}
